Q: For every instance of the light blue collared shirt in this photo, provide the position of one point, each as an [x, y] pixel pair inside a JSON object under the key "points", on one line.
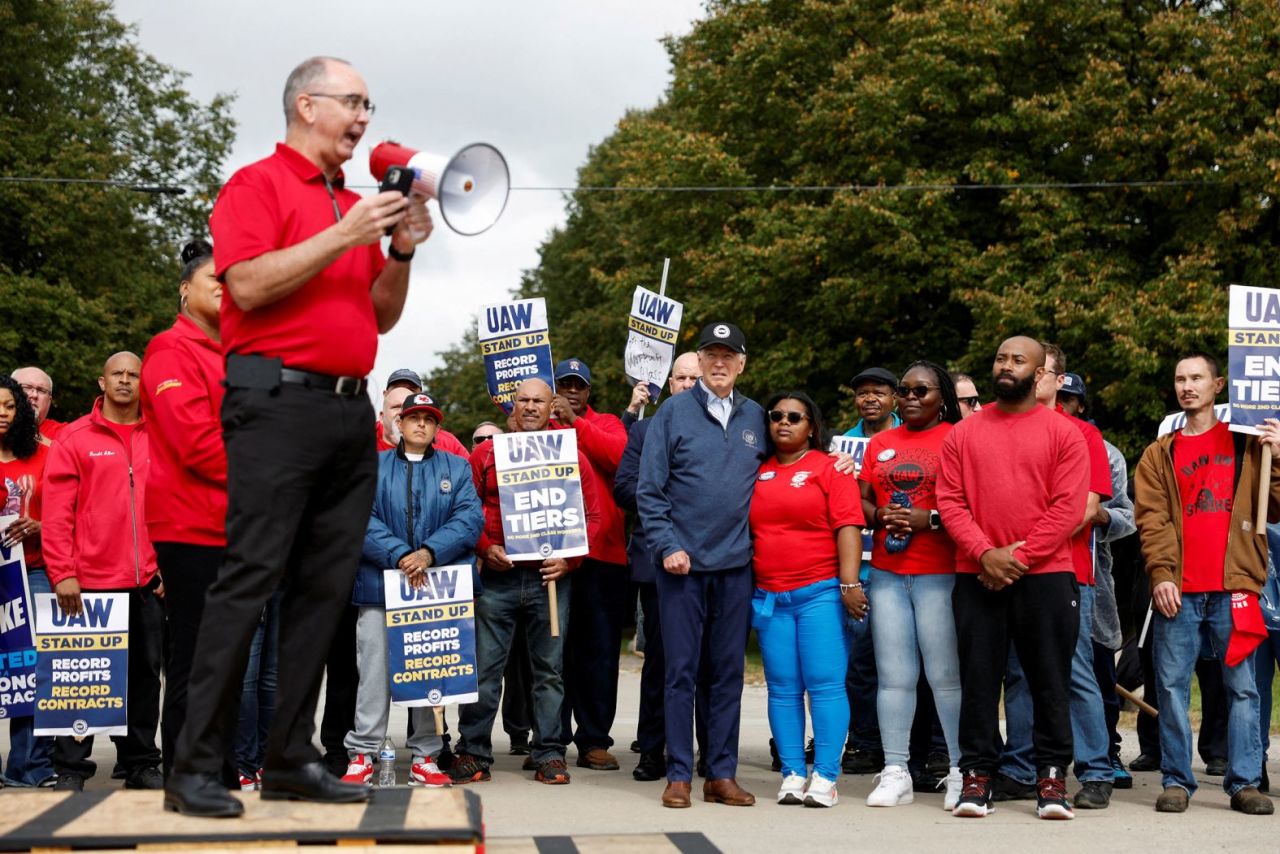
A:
{"points": [[719, 407]]}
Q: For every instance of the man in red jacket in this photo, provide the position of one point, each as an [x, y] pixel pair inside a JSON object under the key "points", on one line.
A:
{"points": [[602, 586], [95, 539]]}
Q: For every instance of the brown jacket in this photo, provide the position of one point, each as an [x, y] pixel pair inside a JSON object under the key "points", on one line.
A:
{"points": [[1157, 510]]}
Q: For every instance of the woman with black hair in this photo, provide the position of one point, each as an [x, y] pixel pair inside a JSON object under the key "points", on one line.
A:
{"points": [[912, 575], [23, 453], [182, 373], [806, 523]]}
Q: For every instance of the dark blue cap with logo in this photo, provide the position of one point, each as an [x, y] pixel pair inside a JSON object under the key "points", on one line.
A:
{"points": [[1072, 384], [573, 368]]}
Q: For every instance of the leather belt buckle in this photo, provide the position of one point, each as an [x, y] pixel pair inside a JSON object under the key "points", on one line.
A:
{"points": [[347, 386]]}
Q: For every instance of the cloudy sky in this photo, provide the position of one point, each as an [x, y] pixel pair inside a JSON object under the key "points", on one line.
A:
{"points": [[542, 80]]}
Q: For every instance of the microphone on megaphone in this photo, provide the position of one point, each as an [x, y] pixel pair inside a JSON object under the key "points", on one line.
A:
{"points": [[471, 187]]}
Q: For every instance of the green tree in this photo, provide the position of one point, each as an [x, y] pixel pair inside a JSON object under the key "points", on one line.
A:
{"points": [[87, 269], [975, 106]]}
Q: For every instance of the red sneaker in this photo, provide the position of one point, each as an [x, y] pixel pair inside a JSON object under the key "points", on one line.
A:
{"points": [[360, 770], [427, 773]]}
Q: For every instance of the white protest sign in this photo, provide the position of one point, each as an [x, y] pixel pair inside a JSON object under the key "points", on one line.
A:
{"points": [[652, 329]]}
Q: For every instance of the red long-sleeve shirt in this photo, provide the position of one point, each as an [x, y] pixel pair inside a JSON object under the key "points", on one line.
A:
{"points": [[1006, 477], [601, 439]]}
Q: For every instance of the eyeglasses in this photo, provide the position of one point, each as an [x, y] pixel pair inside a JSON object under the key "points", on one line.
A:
{"points": [[919, 392], [39, 391], [776, 416], [352, 102], [970, 402]]}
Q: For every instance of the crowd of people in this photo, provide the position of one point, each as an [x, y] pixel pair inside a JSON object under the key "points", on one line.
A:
{"points": [[234, 482]]}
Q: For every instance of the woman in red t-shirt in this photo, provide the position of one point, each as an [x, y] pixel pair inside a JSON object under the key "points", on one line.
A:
{"points": [[912, 575], [23, 452], [806, 521]]}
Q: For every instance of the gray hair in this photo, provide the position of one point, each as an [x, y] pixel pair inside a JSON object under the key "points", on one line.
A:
{"points": [[301, 79]]}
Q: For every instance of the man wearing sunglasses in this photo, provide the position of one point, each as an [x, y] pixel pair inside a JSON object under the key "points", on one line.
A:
{"points": [[307, 293], [697, 472]]}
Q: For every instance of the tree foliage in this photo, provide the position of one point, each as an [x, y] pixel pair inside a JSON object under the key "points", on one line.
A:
{"points": [[1007, 94], [87, 270]]}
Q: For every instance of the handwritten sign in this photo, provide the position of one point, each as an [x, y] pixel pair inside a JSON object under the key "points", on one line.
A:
{"points": [[652, 329]]}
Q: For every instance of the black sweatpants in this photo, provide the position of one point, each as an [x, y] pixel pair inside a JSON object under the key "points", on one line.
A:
{"points": [[1040, 615]]}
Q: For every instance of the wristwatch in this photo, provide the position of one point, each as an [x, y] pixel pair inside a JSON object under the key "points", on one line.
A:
{"points": [[403, 257], [935, 521]]}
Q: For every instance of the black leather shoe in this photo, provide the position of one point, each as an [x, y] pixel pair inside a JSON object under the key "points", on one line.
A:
{"points": [[200, 795], [1145, 762], [310, 782], [1215, 767], [652, 766]]}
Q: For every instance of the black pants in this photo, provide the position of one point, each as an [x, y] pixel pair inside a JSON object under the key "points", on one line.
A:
{"points": [[1211, 742], [137, 749], [1040, 616], [597, 610], [301, 472], [651, 726], [188, 571], [341, 676], [1104, 671]]}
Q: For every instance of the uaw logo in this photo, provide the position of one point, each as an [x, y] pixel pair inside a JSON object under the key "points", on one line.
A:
{"points": [[79, 726], [446, 486], [721, 331], [574, 365], [798, 479], [434, 696], [545, 550]]}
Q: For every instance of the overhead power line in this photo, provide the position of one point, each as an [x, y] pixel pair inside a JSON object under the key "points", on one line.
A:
{"points": [[180, 188]]}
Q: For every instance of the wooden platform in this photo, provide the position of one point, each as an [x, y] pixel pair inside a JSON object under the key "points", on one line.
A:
{"points": [[115, 819]]}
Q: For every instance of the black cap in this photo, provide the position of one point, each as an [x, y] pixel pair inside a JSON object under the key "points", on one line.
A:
{"points": [[422, 402], [1072, 384], [879, 376], [405, 375], [724, 334]]}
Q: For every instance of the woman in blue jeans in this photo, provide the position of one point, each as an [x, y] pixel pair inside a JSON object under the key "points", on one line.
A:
{"points": [[912, 575], [806, 522]]}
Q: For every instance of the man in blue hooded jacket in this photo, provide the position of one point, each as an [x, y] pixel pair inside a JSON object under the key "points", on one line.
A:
{"points": [[425, 513]]}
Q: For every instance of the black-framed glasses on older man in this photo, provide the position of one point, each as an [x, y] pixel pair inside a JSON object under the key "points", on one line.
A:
{"points": [[352, 101]]}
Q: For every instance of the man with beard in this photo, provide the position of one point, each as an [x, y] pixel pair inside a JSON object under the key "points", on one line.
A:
{"points": [[1012, 488]]}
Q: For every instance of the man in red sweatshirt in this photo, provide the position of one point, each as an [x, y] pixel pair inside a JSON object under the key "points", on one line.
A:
{"points": [[95, 539], [1012, 488], [602, 593]]}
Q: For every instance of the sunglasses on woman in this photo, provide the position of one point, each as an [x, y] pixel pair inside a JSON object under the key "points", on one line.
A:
{"points": [[776, 416], [919, 392]]}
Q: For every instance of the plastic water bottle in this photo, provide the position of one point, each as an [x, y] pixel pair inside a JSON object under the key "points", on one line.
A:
{"points": [[387, 764], [895, 543]]}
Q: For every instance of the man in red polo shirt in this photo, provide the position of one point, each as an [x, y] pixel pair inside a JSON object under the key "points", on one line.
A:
{"points": [[309, 292]]}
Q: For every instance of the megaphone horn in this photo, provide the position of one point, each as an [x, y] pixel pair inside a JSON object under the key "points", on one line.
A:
{"points": [[471, 187]]}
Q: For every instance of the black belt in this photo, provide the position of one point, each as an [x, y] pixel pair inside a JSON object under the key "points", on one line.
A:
{"points": [[341, 386]]}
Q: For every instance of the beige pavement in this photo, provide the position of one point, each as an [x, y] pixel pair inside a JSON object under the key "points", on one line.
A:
{"points": [[601, 804]]}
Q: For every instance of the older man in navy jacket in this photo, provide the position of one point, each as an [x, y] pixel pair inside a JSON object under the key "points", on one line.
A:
{"points": [[701, 456]]}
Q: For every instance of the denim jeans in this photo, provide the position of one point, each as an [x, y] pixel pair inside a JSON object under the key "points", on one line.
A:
{"points": [[913, 620], [514, 598], [804, 650], [258, 692], [30, 758], [1264, 665], [1090, 738], [860, 682], [1203, 627]]}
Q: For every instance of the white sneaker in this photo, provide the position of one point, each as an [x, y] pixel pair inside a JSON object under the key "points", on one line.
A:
{"points": [[954, 783], [894, 789], [792, 791], [820, 792]]}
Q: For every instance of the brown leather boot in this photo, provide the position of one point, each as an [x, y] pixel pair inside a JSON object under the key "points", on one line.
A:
{"points": [[676, 795], [727, 791]]}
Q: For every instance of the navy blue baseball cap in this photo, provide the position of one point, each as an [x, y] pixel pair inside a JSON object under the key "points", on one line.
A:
{"points": [[1072, 384], [724, 334], [573, 368]]}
